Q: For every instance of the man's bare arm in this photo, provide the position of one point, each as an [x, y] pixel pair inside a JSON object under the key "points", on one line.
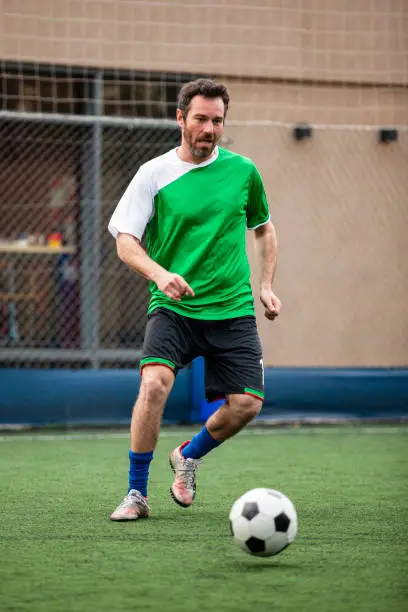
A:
{"points": [[133, 254], [267, 248]]}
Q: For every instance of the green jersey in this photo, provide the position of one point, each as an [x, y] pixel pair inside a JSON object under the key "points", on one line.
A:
{"points": [[194, 217]]}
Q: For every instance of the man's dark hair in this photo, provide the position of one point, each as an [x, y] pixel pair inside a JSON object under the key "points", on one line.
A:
{"points": [[201, 87]]}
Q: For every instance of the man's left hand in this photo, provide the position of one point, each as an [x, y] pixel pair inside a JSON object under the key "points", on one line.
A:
{"points": [[272, 304]]}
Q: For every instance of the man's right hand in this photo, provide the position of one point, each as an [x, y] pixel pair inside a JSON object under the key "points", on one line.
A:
{"points": [[173, 285]]}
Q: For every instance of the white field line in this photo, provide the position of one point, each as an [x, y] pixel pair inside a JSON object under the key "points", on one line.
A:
{"points": [[251, 431]]}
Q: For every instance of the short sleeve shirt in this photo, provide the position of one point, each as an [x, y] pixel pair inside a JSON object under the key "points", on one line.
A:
{"points": [[194, 218]]}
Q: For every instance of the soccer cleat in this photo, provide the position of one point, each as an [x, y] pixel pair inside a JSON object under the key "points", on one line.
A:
{"points": [[183, 489], [134, 506]]}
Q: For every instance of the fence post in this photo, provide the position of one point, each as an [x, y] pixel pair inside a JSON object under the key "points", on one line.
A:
{"points": [[90, 224]]}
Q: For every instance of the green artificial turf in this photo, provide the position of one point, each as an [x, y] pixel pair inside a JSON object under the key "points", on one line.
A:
{"points": [[59, 551]]}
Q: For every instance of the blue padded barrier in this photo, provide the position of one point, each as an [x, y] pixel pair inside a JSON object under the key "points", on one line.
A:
{"points": [[47, 397], [330, 393], [302, 393]]}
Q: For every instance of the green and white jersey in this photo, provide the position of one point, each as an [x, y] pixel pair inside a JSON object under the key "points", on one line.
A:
{"points": [[195, 218]]}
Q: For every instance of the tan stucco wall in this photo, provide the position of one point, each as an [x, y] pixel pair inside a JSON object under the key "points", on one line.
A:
{"points": [[340, 206], [336, 105], [358, 40]]}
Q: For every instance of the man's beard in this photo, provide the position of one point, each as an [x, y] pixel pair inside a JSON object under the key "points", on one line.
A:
{"points": [[196, 150]]}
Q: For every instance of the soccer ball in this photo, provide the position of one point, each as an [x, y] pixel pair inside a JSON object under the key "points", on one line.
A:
{"points": [[263, 522]]}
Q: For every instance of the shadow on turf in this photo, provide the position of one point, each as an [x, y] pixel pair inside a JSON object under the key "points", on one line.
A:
{"points": [[255, 566]]}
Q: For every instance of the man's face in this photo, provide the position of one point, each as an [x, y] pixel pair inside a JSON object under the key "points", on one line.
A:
{"points": [[203, 126]]}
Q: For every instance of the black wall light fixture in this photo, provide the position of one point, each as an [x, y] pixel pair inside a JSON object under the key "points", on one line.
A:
{"points": [[387, 135], [302, 131]]}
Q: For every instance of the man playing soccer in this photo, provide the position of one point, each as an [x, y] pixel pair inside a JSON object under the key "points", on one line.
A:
{"points": [[194, 204]]}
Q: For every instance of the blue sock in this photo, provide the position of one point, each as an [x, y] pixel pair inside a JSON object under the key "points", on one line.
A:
{"points": [[139, 471], [200, 445]]}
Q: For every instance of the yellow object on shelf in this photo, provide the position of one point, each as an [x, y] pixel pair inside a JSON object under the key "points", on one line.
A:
{"points": [[54, 239]]}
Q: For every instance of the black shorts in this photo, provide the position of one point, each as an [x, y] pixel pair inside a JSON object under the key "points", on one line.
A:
{"points": [[231, 349]]}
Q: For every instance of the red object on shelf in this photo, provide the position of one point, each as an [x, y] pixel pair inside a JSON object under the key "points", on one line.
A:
{"points": [[54, 239]]}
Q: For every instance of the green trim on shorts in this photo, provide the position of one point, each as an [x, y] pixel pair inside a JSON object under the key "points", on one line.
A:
{"points": [[157, 361], [254, 392]]}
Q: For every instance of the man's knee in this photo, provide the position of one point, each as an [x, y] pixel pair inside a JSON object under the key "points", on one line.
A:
{"points": [[245, 407], [156, 383]]}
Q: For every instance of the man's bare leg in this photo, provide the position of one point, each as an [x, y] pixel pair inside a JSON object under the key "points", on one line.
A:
{"points": [[231, 417], [234, 415], [156, 384]]}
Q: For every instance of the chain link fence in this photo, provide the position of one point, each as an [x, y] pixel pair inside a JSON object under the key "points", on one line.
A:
{"points": [[66, 300], [339, 201]]}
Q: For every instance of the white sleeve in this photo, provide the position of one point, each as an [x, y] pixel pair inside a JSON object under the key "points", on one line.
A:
{"points": [[136, 206]]}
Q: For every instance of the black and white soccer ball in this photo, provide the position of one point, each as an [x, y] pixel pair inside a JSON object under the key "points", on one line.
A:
{"points": [[263, 522]]}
